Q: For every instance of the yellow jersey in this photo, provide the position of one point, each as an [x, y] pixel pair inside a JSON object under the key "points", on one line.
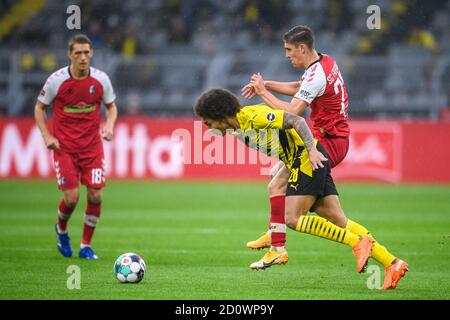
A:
{"points": [[261, 128]]}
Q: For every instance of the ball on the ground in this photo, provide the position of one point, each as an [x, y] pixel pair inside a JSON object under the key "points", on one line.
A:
{"points": [[130, 268]]}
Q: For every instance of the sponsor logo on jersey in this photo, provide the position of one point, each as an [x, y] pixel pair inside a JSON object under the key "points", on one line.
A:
{"points": [[304, 94], [42, 92], [271, 116], [84, 108]]}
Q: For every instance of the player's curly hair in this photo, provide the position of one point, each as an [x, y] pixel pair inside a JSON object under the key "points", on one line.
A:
{"points": [[300, 34], [217, 104]]}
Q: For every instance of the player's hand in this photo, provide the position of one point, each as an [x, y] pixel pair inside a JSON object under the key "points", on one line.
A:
{"points": [[248, 92], [51, 143], [316, 158], [107, 133], [257, 82]]}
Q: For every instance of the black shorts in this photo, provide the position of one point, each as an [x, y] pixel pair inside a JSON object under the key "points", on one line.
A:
{"points": [[320, 184]]}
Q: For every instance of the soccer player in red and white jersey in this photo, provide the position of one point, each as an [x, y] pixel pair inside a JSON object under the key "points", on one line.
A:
{"points": [[76, 92], [322, 89]]}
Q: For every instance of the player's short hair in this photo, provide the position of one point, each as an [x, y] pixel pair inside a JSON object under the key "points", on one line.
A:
{"points": [[81, 39], [217, 104], [300, 34]]}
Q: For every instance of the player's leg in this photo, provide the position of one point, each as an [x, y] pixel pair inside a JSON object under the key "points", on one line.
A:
{"points": [[67, 177], [94, 179], [302, 192], [321, 227], [91, 217], [66, 208], [332, 211], [277, 189], [300, 205], [330, 208]]}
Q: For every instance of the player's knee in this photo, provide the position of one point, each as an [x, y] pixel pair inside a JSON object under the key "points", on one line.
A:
{"points": [[273, 171], [94, 196], [291, 218], [340, 221], [335, 216], [291, 222], [276, 187], [71, 199]]}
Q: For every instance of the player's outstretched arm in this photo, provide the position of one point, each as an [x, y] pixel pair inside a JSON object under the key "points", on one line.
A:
{"points": [[299, 124], [296, 106], [39, 115], [111, 117], [286, 88]]}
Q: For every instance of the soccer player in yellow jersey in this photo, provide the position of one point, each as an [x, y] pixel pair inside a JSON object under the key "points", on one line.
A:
{"points": [[310, 186]]}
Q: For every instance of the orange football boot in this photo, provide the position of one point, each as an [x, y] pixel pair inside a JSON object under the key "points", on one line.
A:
{"points": [[260, 243], [362, 251], [269, 259], [394, 273]]}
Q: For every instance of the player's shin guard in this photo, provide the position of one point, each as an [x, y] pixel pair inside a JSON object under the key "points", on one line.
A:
{"points": [[323, 228], [64, 213], [90, 221], [277, 222]]}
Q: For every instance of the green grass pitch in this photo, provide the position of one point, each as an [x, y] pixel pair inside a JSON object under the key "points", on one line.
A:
{"points": [[192, 237]]}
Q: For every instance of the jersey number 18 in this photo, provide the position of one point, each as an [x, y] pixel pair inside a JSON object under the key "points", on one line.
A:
{"points": [[96, 176]]}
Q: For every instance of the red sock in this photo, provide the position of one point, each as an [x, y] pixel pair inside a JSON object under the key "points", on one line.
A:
{"points": [[90, 220], [64, 213], [277, 220]]}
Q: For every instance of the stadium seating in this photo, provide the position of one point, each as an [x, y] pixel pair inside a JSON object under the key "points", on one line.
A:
{"points": [[180, 48]]}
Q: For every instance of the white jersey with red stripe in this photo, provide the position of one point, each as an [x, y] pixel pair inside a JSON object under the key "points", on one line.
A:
{"points": [[323, 88]]}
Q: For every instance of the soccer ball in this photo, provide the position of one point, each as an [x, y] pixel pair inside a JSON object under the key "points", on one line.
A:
{"points": [[129, 268]]}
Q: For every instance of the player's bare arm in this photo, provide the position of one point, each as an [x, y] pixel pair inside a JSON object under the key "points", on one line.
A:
{"points": [[299, 124], [111, 117], [296, 106], [286, 88], [39, 114]]}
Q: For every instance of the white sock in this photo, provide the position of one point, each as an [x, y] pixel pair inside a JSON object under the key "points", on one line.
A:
{"points": [[60, 231], [276, 249]]}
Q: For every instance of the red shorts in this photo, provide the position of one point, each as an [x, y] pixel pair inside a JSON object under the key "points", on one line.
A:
{"points": [[336, 147], [70, 168]]}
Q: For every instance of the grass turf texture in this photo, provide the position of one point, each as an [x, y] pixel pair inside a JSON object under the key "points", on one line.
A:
{"points": [[192, 237]]}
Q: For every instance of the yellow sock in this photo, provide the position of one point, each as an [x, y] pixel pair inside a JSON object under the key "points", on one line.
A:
{"points": [[357, 229], [382, 255], [323, 228], [379, 253]]}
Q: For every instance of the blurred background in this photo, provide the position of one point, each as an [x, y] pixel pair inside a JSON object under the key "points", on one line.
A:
{"points": [[186, 218], [161, 54]]}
